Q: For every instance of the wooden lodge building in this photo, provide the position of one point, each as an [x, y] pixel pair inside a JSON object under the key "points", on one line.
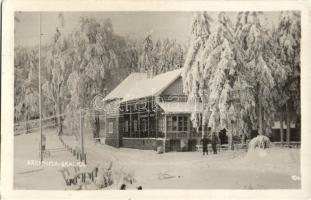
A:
{"points": [[147, 112]]}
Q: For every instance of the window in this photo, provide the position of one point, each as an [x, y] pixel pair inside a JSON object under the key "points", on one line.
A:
{"points": [[126, 126], [135, 125], [177, 125], [185, 123], [180, 123], [161, 124], [174, 119], [135, 107], [110, 127], [169, 123], [144, 125]]}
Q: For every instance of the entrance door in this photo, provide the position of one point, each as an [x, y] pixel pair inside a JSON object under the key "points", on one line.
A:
{"points": [[174, 145], [192, 144]]}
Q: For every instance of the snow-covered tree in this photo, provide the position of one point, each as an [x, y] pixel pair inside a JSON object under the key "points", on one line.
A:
{"points": [[265, 70], [90, 60], [101, 60], [234, 72], [193, 81], [26, 96], [93, 57], [161, 56], [287, 38], [146, 61], [168, 55], [58, 70], [226, 95], [72, 119]]}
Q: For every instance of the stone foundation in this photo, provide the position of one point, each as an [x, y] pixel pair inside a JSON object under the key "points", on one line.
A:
{"points": [[112, 142], [154, 144]]}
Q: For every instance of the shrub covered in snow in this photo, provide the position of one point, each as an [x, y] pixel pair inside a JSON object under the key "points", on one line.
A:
{"points": [[104, 177], [113, 177], [160, 149], [261, 141]]}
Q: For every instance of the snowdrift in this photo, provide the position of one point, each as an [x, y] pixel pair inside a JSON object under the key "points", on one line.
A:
{"points": [[275, 159]]}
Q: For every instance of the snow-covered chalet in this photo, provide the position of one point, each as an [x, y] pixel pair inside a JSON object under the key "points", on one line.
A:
{"points": [[147, 112]]}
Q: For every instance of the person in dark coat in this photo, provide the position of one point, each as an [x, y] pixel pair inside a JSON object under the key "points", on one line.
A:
{"points": [[123, 187], [214, 142], [205, 142]]}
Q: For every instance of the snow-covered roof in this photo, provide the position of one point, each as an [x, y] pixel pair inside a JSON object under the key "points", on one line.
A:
{"points": [[122, 89], [138, 85], [180, 107]]}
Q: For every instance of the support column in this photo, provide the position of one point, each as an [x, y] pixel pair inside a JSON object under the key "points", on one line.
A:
{"points": [[156, 123], [178, 133], [131, 123], [188, 127], [165, 132], [138, 121], [106, 126], [148, 122], [118, 130]]}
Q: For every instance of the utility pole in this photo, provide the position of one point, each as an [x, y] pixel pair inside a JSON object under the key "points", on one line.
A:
{"points": [[39, 74]]}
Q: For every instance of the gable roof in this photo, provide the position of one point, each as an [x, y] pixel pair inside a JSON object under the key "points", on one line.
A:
{"points": [[137, 85], [122, 89]]}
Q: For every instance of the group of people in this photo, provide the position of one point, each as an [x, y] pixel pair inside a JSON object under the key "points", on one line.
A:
{"points": [[205, 141]]}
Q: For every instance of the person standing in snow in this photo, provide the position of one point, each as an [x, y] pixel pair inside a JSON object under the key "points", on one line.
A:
{"points": [[214, 142], [205, 142]]}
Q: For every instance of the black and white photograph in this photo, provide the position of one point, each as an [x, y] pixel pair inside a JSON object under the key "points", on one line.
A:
{"points": [[157, 100]]}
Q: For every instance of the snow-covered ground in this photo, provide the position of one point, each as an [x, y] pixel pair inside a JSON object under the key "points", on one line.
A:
{"points": [[274, 168]]}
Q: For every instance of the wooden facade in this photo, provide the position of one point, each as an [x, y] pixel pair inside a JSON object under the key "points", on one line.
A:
{"points": [[144, 123]]}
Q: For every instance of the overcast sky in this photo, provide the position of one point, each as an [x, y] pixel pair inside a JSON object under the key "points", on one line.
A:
{"points": [[135, 25]]}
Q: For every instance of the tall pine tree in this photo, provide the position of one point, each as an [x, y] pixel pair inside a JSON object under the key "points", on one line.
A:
{"points": [[234, 72], [193, 81], [287, 39], [265, 69]]}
